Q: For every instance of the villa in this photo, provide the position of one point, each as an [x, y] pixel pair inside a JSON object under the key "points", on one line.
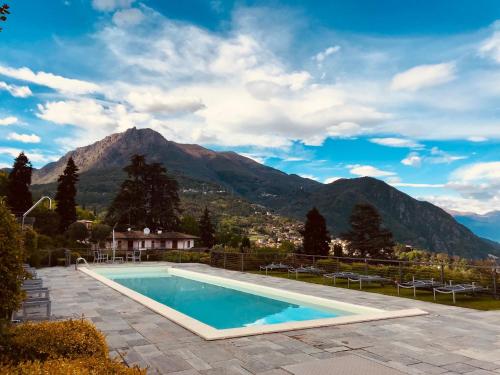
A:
{"points": [[160, 240]]}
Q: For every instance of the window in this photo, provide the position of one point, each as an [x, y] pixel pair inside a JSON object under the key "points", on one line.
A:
{"points": [[152, 244], [189, 244], [119, 245], [162, 244], [143, 244]]}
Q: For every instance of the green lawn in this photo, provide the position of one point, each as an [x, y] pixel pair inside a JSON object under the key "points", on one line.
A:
{"points": [[478, 302]]}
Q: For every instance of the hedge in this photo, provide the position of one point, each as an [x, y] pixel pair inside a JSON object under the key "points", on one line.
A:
{"points": [[80, 366], [56, 348], [42, 341]]}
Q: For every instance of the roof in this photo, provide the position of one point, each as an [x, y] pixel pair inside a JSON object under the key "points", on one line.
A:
{"points": [[139, 235]]}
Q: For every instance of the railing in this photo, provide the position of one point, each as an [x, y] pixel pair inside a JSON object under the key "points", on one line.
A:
{"points": [[397, 270]]}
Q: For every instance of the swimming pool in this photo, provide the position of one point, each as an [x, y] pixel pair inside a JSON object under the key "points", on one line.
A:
{"points": [[215, 307]]}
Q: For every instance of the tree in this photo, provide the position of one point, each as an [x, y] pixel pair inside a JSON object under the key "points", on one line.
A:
{"points": [[245, 244], [77, 232], [11, 266], [148, 197], [19, 197], [4, 181], [189, 225], [46, 221], [99, 233], [316, 240], [66, 194], [206, 229], [367, 237], [338, 251], [4, 10]]}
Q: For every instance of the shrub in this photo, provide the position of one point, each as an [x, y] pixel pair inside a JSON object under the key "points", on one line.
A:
{"points": [[43, 341], [80, 366], [31, 247], [77, 232], [11, 265]]}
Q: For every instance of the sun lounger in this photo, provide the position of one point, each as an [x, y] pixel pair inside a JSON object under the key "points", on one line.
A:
{"points": [[34, 303], [275, 267], [458, 288], [36, 293], [367, 279], [33, 283], [309, 270], [340, 275], [419, 284]]}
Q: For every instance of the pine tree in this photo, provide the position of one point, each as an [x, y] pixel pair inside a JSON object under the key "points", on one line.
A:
{"points": [[66, 194], [368, 238], [147, 198], [19, 197], [207, 230], [316, 240]]}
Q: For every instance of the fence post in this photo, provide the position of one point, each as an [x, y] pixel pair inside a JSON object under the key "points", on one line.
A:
{"points": [[242, 262], [400, 272], [225, 255], [495, 282], [366, 266]]}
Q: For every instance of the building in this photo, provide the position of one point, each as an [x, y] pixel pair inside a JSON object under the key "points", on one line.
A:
{"points": [[161, 240]]}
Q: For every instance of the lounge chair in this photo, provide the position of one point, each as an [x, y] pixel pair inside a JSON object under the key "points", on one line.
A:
{"points": [[100, 257], [275, 267], [458, 288], [36, 293], [367, 279], [308, 269], [340, 275], [419, 284], [32, 283], [33, 302]]}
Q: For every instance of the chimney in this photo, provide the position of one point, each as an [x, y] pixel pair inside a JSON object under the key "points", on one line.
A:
{"points": [[159, 231]]}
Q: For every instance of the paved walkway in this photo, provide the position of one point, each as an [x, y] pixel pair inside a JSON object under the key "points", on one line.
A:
{"points": [[449, 340]]}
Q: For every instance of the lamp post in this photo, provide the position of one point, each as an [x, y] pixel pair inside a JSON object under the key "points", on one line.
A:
{"points": [[32, 207], [114, 242]]}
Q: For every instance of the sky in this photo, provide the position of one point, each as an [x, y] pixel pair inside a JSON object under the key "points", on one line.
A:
{"points": [[404, 91]]}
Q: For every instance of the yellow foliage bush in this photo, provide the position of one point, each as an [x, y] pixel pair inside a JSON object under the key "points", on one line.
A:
{"points": [[81, 366], [42, 341]]}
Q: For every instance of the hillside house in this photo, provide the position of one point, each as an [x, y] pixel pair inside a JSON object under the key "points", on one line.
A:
{"points": [[138, 240]]}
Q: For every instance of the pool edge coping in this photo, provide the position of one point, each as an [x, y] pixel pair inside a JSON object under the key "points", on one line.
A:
{"points": [[209, 333]]}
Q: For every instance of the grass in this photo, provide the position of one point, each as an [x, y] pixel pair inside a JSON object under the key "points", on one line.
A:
{"points": [[477, 302]]}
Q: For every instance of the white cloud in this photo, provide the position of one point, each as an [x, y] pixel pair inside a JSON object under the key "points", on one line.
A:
{"points": [[257, 158], [416, 185], [477, 139], [423, 76], [412, 160], [59, 83], [8, 121], [441, 157], [321, 56], [128, 17], [369, 171], [396, 142], [461, 204], [332, 179], [16, 91], [110, 5], [153, 100], [309, 176], [25, 138], [35, 156], [491, 47]]}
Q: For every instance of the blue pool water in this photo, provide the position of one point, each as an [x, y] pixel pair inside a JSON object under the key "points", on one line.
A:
{"points": [[218, 306]]}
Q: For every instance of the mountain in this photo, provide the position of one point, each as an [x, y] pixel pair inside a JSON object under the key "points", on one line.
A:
{"points": [[487, 225], [413, 222]]}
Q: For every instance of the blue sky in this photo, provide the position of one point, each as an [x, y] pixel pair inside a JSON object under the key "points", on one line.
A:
{"points": [[407, 92]]}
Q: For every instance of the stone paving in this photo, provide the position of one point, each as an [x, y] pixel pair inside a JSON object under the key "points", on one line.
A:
{"points": [[450, 340]]}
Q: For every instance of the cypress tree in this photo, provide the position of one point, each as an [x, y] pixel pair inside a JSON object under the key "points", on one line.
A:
{"points": [[19, 197], [367, 237], [148, 197], [316, 240], [66, 194], [207, 230]]}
